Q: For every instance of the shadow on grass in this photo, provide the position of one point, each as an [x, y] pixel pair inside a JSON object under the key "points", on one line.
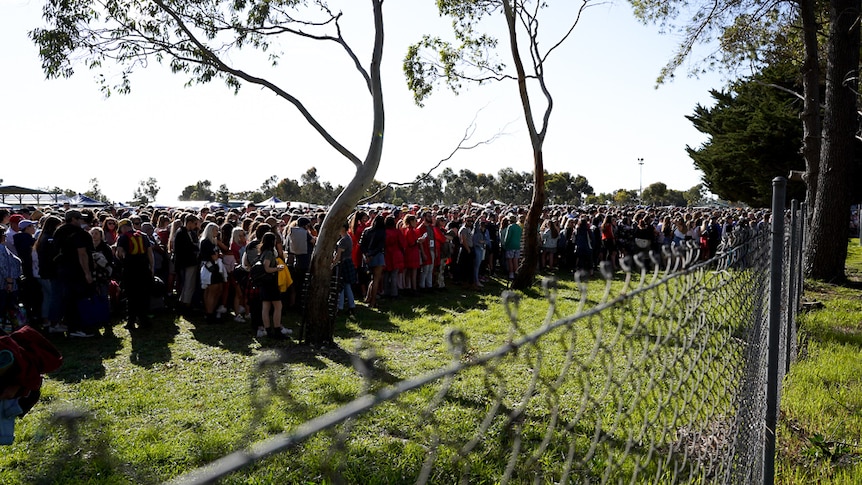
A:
{"points": [[314, 356], [83, 357], [838, 335], [151, 346]]}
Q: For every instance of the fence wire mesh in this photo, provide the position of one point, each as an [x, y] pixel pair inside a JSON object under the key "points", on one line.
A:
{"points": [[661, 380]]}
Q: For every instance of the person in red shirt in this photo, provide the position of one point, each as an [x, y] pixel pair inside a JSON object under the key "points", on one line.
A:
{"points": [[394, 256], [412, 259]]}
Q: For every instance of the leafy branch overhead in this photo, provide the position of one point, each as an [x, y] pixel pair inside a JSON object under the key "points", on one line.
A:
{"points": [[192, 38], [749, 33]]}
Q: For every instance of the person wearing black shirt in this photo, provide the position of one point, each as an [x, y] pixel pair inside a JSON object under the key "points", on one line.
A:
{"points": [[75, 270], [185, 255]]}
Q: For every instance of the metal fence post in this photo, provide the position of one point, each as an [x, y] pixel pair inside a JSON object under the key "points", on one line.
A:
{"points": [[803, 241], [792, 287], [779, 186]]}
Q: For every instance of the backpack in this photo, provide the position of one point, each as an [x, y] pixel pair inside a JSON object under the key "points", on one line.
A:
{"points": [[258, 274]]}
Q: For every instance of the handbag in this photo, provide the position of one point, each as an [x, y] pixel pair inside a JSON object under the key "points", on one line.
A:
{"points": [[258, 274], [94, 310], [642, 243]]}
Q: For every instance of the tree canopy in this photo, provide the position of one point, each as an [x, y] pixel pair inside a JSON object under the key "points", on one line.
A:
{"points": [[754, 136]]}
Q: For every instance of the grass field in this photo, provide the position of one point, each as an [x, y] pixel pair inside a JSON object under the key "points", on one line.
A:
{"points": [[820, 434], [164, 401]]}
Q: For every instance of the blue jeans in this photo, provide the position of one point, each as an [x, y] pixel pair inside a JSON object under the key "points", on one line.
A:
{"points": [[346, 293], [478, 257]]}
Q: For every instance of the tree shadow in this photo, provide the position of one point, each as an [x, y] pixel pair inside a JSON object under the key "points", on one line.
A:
{"points": [[229, 335]]}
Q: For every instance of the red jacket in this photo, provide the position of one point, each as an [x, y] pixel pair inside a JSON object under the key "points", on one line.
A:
{"points": [[356, 254], [411, 253], [394, 252], [436, 235], [34, 355]]}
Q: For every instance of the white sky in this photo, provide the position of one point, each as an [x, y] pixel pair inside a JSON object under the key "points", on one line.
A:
{"points": [[607, 113]]}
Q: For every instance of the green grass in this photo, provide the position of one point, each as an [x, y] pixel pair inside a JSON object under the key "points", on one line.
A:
{"points": [[820, 434], [162, 402]]}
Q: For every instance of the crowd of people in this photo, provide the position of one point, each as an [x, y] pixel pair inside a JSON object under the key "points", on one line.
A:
{"points": [[247, 264]]}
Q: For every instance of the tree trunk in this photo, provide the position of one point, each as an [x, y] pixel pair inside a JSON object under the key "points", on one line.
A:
{"points": [[811, 130], [527, 271], [526, 274], [827, 244], [318, 325]]}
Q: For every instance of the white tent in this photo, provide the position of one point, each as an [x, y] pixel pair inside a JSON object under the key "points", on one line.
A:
{"points": [[270, 202]]}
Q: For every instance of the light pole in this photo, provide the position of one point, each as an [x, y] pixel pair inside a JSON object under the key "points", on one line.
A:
{"points": [[641, 190]]}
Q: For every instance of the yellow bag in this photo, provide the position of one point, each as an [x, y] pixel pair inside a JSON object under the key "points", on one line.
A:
{"points": [[284, 279]]}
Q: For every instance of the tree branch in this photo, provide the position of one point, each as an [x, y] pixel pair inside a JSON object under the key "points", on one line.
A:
{"points": [[468, 133], [782, 88], [222, 66]]}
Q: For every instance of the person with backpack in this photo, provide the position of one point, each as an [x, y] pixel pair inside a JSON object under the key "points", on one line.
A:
{"points": [[135, 253]]}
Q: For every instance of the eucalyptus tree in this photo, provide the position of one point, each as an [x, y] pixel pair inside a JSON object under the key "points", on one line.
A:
{"points": [[474, 60], [200, 40], [750, 31], [563, 188], [146, 191]]}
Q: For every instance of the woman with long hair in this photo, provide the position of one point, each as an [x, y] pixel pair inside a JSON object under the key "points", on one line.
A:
{"points": [[110, 231], [229, 261], [270, 296], [52, 297], [393, 257], [412, 260], [550, 235], [609, 244], [238, 241], [209, 258], [357, 224], [373, 244]]}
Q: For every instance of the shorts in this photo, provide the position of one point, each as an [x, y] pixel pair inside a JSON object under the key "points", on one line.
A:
{"points": [[513, 254], [377, 260], [552, 250]]}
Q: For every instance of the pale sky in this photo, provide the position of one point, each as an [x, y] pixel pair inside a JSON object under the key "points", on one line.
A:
{"points": [[607, 113]]}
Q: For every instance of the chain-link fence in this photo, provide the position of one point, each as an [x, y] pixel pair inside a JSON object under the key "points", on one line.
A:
{"points": [[663, 378], [661, 381]]}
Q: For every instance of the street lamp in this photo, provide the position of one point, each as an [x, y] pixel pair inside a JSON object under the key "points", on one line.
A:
{"points": [[641, 191]]}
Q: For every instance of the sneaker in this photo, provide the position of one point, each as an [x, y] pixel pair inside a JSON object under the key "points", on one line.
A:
{"points": [[82, 334], [57, 329], [221, 310], [261, 333], [286, 331], [240, 310], [239, 318]]}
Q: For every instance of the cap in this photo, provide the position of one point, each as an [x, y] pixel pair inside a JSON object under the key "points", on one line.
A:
{"points": [[25, 224], [72, 214]]}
